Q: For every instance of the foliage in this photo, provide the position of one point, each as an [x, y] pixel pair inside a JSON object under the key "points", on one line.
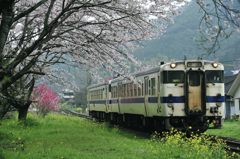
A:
{"points": [[220, 19], [58, 136], [200, 146], [34, 35], [45, 99]]}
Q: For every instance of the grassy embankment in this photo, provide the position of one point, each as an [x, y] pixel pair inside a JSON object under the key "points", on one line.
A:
{"points": [[63, 137], [230, 128]]}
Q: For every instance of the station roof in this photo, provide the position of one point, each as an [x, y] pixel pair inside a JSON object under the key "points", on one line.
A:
{"points": [[231, 83]]}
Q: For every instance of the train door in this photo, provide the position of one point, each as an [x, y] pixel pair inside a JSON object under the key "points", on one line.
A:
{"points": [[120, 93], [158, 95], [194, 92], [146, 91], [106, 97]]}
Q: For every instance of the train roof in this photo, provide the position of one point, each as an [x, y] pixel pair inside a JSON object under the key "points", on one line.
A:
{"points": [[97, 85], [140, 73], [149, 71]]}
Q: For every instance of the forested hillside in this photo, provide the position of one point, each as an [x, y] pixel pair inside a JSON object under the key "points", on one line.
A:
{"points": [[181, 38]]}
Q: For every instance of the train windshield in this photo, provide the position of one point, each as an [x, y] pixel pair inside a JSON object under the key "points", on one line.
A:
{"points": [[173, 77], [68, 93], [214, 76]]}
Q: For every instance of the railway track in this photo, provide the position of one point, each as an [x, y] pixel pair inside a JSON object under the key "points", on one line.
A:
{"points": [[232, 145], [74, 113]]}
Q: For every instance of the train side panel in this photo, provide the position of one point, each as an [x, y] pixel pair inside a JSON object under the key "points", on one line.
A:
{"points": [[184, 94], [97, 98]]}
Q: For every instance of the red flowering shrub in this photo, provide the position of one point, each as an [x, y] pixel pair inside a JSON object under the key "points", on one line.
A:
{"points": [[45, 99]]}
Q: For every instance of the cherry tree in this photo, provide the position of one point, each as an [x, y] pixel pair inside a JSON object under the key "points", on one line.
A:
{"points": [[37, 34], [221, 18], [45, 99]]}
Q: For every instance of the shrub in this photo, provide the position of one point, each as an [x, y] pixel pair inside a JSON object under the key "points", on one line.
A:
{"points": [[191, 146], [45, 99]]}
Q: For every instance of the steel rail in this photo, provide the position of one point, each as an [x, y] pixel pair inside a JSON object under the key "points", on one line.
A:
{"points": [[232, 145], [74, 113]]}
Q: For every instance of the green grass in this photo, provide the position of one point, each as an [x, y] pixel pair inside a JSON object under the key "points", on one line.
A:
{"points": [[64, 137], [230, 128]]}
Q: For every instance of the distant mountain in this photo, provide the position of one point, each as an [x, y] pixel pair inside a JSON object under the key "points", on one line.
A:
{"points": [[180, 40]]}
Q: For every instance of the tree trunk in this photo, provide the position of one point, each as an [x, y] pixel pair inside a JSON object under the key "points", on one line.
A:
{"points": [[3, 110], [7, 15], [22, 112]]}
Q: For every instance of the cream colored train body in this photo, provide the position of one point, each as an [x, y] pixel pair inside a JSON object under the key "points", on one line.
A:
{"points": [[183, 95]]}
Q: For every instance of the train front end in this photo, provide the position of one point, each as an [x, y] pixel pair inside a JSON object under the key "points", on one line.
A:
{"points": [[193, 94]]}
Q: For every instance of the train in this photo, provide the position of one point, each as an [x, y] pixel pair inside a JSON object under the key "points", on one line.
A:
{"points": [[187, 95]]}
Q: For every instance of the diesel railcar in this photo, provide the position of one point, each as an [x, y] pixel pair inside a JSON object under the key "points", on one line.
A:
{"points": [[185, 95]]}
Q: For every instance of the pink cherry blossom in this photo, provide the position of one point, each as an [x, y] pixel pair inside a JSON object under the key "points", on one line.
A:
{"points": [[45, 99]]}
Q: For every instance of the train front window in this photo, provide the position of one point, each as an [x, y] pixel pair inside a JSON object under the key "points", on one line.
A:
{"points": [[194, 78], [214, 76], [173, 77]]}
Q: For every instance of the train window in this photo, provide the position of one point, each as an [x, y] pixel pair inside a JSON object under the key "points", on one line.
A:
{"points": [[194, 78], [153, 86], [115, 92], [103, 93], [131, 89], [124, 90], [214, 76], [119, 90], [109, 88], [149, 87], [146, 85], [135, 90], [139, 89], [173, 77]]}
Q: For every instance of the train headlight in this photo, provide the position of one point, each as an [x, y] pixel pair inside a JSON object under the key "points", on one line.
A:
{"points": [[215, 65], [173, 65]]}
